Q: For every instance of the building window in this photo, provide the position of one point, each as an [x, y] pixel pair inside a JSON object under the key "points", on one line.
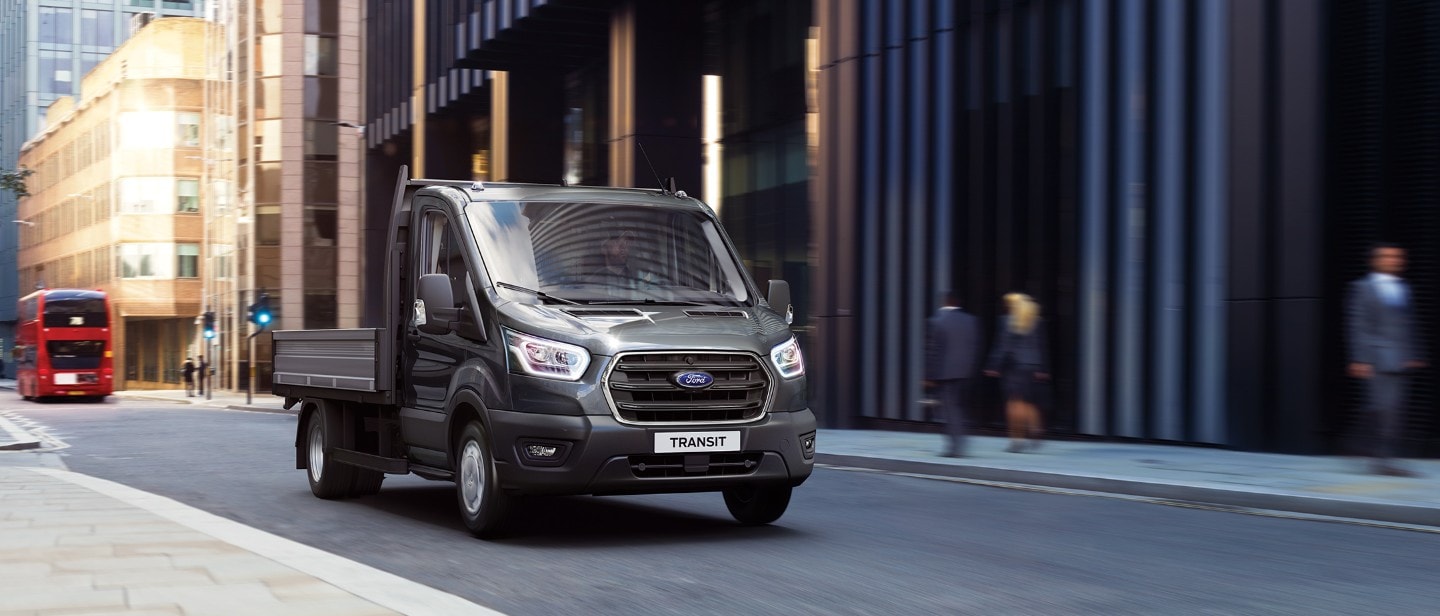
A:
{"points": [[56, 75], [146, 260], [187, 196], [97, 28], [55, 26], [320, 56], [189, 134], [322, 140], [187, 260]]}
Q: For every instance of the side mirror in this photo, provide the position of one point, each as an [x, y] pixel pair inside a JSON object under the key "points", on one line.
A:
{"points": [[435, 308], [779, 298]]}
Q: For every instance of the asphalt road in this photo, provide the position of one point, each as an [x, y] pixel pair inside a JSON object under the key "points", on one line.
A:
{"points": [[851, 543]]}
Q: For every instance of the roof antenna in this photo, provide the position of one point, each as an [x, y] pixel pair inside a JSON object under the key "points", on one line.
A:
{"points": [[652, 167]]}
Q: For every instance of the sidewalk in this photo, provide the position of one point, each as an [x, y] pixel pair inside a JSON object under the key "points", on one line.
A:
{"points": [[261, 401], [77, 544], [1317, 485]]}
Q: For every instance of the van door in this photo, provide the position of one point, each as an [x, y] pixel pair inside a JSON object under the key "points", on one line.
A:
{"points": [[431, 361]]}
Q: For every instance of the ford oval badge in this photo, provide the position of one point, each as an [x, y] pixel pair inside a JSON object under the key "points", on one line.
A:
{"points": [[694, 380]]}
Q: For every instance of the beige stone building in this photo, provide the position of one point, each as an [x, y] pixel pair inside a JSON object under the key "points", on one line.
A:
{"points": [[295, 220], [116, 198]]}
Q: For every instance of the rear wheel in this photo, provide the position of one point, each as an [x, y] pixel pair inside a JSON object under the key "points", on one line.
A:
{"points": [[483, 504], [756, 505], [328, 478]]}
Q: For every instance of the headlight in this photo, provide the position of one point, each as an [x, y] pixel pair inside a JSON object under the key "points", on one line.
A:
{"points": [[787, 359], [547, 358]]}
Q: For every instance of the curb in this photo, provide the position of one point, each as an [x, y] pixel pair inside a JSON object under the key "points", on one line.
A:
{"points": [[1295, 503], [129, 396], [260, 409], [18, 437]]}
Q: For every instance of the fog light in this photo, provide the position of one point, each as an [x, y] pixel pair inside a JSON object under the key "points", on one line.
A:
{"points": [[807, 445], [542, 451]]}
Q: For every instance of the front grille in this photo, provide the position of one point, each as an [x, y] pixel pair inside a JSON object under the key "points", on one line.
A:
{"points": [[695, 465], [643, 390]]}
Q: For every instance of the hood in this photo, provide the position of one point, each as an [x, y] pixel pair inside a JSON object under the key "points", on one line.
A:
{"points": [[607, 330]]}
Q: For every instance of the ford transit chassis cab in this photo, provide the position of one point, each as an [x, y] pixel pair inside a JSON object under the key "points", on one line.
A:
{"points": [[556, 340]]}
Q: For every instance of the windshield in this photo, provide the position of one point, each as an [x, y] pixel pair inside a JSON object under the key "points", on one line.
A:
{"points": [[606, 253]]}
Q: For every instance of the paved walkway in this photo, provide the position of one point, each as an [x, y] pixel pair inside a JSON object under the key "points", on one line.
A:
{"points": [[1319, 485], [75, 544]]}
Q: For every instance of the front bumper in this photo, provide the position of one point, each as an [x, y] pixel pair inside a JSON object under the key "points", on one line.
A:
{"points": [[599, 455]]}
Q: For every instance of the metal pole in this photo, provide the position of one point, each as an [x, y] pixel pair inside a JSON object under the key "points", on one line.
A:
{"points": [[250, 385], [209, 383]]}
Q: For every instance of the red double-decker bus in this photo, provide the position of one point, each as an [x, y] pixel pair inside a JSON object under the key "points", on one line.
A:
{"points": [[63, 345]]}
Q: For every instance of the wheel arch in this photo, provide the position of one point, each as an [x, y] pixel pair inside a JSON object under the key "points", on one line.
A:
{"points": [[465, 406]]}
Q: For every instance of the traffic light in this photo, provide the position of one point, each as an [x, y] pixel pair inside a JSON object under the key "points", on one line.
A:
{"points": [[260, 312], [209, 325]]}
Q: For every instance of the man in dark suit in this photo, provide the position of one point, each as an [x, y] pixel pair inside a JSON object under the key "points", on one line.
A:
{"points": [[1383, 351], [200, 371], [951, 348]]}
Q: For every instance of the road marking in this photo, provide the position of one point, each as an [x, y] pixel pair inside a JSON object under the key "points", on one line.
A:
{"points": [[1025, 487], [30, 428], [385, 589]]}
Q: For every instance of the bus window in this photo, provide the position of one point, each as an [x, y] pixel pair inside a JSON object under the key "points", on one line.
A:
{"points": [[76, 312]]}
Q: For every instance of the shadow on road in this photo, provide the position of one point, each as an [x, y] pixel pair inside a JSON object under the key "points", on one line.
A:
{"points": [[570, 522]]}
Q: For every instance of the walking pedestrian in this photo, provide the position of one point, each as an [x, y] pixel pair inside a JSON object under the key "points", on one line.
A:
{"points": [[952, 345], [1020, 360], [188, 372], [1383, 353]]}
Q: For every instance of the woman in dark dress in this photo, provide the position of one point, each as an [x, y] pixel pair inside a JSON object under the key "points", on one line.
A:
{"points": [[1020, 360]]}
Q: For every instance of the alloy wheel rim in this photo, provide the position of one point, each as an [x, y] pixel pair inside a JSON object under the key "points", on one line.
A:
{"points": [[317, 451], [472, 477]]}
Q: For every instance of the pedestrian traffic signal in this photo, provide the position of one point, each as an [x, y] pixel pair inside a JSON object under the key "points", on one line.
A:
{"points": [[209, 325], [261, 310]]}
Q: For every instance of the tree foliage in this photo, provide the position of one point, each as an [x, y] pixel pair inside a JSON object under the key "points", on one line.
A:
{"points": [[14, 181]]}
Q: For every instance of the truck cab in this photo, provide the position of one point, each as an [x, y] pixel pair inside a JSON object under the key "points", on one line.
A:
{"points": [[557, 340]]}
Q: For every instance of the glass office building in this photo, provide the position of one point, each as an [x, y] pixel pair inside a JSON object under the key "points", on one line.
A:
{"points": [[1185, 187]]}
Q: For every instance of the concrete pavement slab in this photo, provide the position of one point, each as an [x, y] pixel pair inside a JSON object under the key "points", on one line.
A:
{"points": [[167, 557]]}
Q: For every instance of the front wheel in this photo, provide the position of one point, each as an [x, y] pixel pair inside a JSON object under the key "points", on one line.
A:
{"points": [[483, 504], [757, 505], [328, 479]]}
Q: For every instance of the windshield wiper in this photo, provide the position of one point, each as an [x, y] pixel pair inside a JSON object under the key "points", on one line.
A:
{"points": [[646, 301], [540, 294]]}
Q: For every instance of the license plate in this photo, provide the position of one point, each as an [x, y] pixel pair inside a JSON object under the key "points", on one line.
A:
{"points": [[66, 379], [696, 442]]}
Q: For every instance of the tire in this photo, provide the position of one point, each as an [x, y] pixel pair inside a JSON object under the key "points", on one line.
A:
{"points": [[757, 505], [483, 505], [366, 482], [328, 479]]}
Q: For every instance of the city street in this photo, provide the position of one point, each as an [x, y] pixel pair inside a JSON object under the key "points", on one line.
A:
{"points": [[851, 543]]}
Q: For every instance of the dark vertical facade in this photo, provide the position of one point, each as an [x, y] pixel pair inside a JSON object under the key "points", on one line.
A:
{"points": [[1150, 172], [1384, 88], [758, 49], [946, 160]]}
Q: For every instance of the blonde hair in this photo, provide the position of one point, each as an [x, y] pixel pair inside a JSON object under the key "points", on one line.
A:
{"points": [[1024, 312]]}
